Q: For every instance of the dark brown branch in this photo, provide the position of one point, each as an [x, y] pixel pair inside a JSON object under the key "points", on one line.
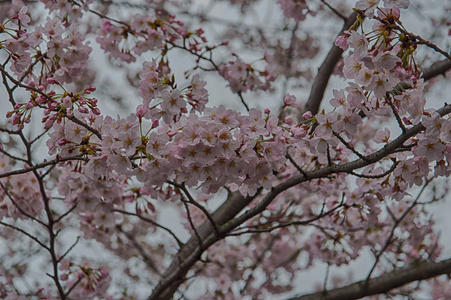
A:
{"points": [[25, 233], [328, 170], [41, 165], [179, 242], [283, 225], [437, 68], [384, 283], [392, 168], [69, 250]]}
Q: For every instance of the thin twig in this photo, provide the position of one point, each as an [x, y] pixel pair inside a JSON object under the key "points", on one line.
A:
{"points": [[151, 222], [25, 233], [392, 168], [41, 165], [68, 250], [65, 214], [349, 146], [395, 112], [290, 158], [242, 101], [190, 220], [395, 225]]}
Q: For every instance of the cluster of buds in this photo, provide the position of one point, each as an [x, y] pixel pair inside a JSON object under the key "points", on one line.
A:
{"points": [[56, 106]]}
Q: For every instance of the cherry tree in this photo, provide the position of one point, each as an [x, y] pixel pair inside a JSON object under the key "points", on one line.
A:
{"points": [[331, 146]]}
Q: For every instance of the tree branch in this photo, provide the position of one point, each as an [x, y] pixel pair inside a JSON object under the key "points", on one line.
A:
{"points": [[437, 68], [41, 165], [417, 271]]}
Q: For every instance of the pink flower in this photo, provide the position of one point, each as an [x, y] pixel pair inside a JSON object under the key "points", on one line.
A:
{"points": [[172, 102], [385, 61], [396, 3], [359, 43], [342, 41], [67, 102], [368, 6], [339, 98], [23, 17], [380, 85], [431, 149], [326, 123], [433, 124], [382, 136], [296, 9], [289, 100]]}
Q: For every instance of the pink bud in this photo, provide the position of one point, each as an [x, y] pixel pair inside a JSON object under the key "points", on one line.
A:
{"points": [[67, 102], [16, 119], [155, 123], [52, 80], [64, 277], [141, 110], [406, 121], [48, 124], [307, 115], [41, 100]]}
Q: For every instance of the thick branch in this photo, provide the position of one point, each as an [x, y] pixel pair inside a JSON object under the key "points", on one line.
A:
{"points": [[437, 68], [384, 283]]}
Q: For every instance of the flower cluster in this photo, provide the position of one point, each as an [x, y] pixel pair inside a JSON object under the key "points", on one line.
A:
{"points": [[146, 33], [88, 282], [20, 194], [56, 106], [220, 147], [63, 57], [162, 99], [296, 9], [243, 77]]}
